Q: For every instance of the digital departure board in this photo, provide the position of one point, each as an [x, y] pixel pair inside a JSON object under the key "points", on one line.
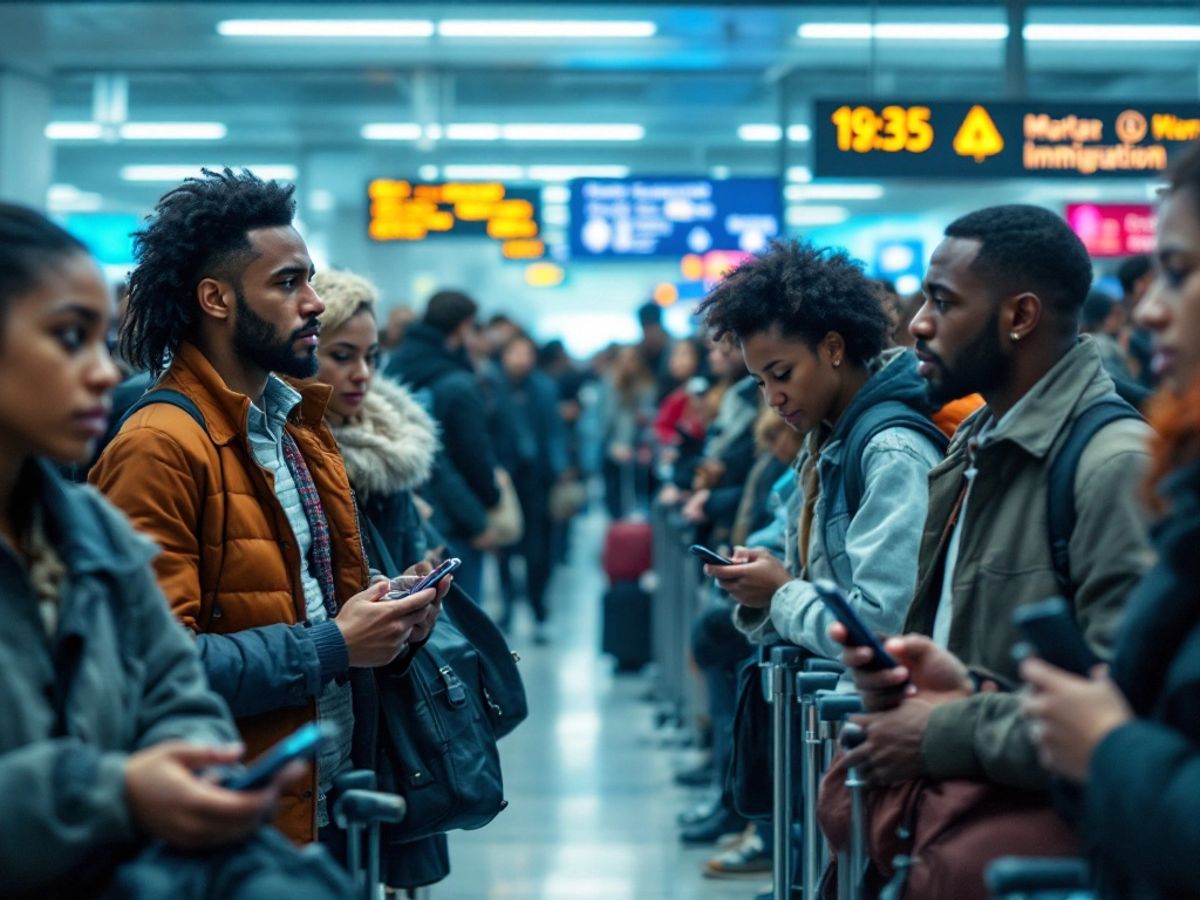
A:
{"points": [[403, 210], [961, 139], [645, 217]]}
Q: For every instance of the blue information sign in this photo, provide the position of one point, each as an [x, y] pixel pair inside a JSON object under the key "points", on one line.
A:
{"points": [[645, 217]]}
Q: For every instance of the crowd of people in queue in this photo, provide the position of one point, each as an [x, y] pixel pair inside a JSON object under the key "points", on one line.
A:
{"points": [[295, 454]]}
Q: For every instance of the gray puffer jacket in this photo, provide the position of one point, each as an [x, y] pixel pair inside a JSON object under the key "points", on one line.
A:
{"points": [[119, 674]]}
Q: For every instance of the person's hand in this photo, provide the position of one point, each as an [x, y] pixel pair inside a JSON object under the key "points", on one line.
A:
{"points": [[170, 802], [620, 453], [693, 510], [1071, 715], [753, 579], [669, 495], [423, 626], [891, 752], [484, 541], [424, 510], [925, 669], [375, 630]]}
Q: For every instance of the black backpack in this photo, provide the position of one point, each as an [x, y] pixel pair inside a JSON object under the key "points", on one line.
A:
{"points": [[880, 417], [1060, 486]]}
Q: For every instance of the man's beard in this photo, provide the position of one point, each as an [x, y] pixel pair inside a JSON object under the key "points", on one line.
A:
{"points": [[256, 340], [979, 367]]}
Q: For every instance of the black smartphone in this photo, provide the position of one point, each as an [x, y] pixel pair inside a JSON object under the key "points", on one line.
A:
{"points": [[860, 634], [431, 580], [709, 556], [303, 743], [1052, 630]]}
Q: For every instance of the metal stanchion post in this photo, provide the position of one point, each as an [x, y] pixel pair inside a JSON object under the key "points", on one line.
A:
{"points": [[832, 710], [852, 736], [784, 663], [808, 684]]}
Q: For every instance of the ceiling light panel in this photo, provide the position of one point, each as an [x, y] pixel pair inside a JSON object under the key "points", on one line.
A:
{"points": [[903, 31], [392, 131], [279, 171], [1109, 33], [569, 132], [769, 133], [73, 131], [798, 192], [326, 28], [173, 131], [537, 28]]}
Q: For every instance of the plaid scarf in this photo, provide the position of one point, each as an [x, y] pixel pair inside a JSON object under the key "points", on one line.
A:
{"points": [[320, 555]]}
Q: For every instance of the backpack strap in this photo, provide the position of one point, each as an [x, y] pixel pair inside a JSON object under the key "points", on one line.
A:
{"points": [[170, 397], [1060, 480], [889, 414]]}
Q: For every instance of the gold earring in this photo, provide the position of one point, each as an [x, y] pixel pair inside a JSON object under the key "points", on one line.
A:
{"points": [[1013, 336]]}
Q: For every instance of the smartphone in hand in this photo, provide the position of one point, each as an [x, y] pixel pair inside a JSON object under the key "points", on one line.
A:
{"points": [[709, 556], [860, 635], [1052, 630], [303, 743], [433, 579]]}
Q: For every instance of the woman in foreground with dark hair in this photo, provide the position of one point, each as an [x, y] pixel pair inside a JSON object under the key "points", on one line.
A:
{"points": [[105, 714], [1131, 737]]}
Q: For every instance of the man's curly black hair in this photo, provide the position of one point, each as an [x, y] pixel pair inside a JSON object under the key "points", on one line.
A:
{"points": [[806, 292], [198, 230]]}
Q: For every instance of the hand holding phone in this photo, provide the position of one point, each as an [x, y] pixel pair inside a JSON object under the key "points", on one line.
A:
{"points": [[432, 580], [709, 556], [1052, 630], [303, 743], [860, 635]]}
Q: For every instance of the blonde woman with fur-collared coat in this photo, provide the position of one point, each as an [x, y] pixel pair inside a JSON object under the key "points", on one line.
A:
{"points": [[388, 442]]}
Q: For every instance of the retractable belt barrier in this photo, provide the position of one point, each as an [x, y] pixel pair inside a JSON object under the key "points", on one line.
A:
{"points": [[815, 850], [779, 686], [678, 583], [832, 710]]}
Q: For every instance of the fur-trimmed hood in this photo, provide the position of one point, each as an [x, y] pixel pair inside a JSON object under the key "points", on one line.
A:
{"points": [[390, 445]]}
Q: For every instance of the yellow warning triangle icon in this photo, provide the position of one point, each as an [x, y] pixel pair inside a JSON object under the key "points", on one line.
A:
{"points": [[978, 135]]}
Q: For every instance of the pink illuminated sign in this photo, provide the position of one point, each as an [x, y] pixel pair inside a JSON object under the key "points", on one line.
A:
{"points": [[1113, 229]]}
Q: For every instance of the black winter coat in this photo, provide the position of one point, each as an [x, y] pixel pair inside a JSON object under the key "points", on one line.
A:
{"points": [[463, 486], [1141, 811]]}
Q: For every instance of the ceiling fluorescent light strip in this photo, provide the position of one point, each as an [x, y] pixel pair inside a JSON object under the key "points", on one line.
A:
{"points": [[326, 28], [482, 173], [544, 28], [173, 131], [73, 131], [567, 132], [798, 192], [771, 133], [566, 173], [392, 131], [903, 31], [1111, 33], [269, 171], [473, 131]]}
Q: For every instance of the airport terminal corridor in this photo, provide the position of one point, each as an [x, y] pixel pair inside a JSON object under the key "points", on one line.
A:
{"points": [[593, 803]]}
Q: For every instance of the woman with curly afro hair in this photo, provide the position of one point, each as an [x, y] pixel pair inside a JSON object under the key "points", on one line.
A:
{"points": [[812, 329]]}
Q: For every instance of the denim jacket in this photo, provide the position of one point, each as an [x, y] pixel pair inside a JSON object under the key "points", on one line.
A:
{"points": [[872, 556]]}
